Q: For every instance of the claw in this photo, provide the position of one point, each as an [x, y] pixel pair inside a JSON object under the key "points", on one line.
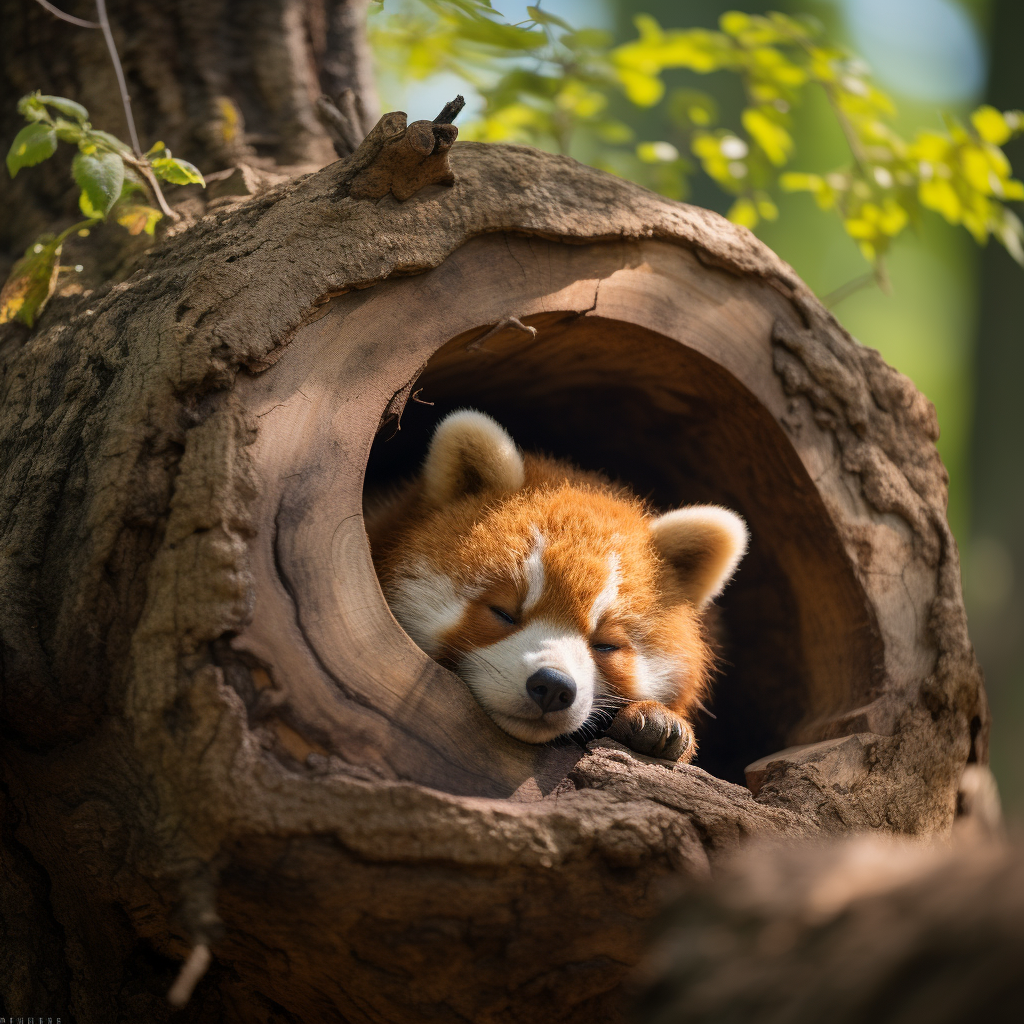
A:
{"points": [[651, 728]]}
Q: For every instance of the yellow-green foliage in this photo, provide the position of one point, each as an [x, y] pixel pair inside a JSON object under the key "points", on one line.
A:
{"points": [[546, 83], [110, 178]]}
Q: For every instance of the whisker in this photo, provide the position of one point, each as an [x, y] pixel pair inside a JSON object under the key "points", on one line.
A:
{"points": [[490, 664]]}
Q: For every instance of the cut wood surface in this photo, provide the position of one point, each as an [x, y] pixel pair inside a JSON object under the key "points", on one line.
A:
{"points": [[209, 710]]}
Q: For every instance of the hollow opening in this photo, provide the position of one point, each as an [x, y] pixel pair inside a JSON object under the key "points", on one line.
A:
{"points": [[798, 642]]}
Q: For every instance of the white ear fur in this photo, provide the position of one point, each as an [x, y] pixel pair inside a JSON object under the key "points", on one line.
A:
{"points": [[703, 545], [469, 453]]}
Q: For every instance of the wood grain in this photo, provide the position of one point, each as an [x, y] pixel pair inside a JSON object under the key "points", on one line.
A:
{"points": [[643, 319]]}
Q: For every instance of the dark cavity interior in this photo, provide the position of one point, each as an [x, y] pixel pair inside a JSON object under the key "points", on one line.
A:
{"points": [[798, 643]]}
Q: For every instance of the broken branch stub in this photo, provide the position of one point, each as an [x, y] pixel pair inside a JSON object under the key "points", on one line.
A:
{"points": [[402, 159]]}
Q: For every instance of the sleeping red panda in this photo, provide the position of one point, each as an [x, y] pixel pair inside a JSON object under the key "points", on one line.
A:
{"points": [[559, 598]]}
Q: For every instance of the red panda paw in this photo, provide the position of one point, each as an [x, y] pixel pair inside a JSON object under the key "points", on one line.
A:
{"points": [[653, 729]]}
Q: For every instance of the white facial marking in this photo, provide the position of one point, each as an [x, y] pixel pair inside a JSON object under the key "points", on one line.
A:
{"points": [[427, 606], [609, 592], [497, 675], [657, 677], [533, 568]]}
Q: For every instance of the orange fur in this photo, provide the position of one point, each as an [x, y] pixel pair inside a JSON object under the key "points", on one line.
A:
{"points": [[585, 547]]}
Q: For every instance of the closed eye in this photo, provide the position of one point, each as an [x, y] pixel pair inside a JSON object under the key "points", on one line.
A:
{"points": [[604, 648], [503, 615]]}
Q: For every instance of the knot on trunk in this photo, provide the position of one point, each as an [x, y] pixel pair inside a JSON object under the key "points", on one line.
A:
{"points": [[401, 159]]}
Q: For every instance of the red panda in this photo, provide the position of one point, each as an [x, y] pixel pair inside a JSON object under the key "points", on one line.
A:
{"points": [[559, 598]]}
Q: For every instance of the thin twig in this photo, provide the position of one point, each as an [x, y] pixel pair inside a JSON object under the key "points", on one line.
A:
{"points": [[844, 291], [70, 18], [509, 321], [351, 105], [340, 125], [191, 973], [147, 172], [451, 110], [882, 276], [101, 10], [139, 162], [81, 225]]}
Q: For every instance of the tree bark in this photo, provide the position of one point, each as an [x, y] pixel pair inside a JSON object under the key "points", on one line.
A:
{"points": [[205, 693], [864, 929], [216, 734], [221, 82]]}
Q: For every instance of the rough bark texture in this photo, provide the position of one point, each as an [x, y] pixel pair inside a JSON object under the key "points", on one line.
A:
{"points": [[858, 931], [186, 447], [218, 81]]}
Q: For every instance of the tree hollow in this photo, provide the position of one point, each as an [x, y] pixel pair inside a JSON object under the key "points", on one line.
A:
{"points": [[646, 365]]}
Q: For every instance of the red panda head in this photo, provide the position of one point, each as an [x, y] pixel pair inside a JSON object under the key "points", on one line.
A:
{"points": [[553, 594]]}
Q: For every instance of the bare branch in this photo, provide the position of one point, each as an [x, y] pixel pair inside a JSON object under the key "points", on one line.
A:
{"points": [[879, 275], [101, 10], [342, 125], [69, 18], [512, 322], [140, 164], [844, 291], [451, 110], [191, 973]]}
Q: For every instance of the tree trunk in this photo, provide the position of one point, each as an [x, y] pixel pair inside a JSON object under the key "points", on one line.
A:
{"points": [[221, 82], [215, 732]]}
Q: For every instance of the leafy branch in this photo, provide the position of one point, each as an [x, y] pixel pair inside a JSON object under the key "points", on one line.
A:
{"points": [[110, 174], [546, 83], [111, 177]]}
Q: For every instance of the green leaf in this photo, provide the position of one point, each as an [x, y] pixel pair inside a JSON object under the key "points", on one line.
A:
{"points": [[133, 182], [744, 212], [642, 89], [101, 138], [688, 107], [100, 177], [544, 18], [30, 283], [614, 132], [798, 182], [657, 152], [734, 23], [33, 144], [31, 109], [1011, 234], [766, 208], [87, 208], [587, 39], [137, 218], [991, 125], [499, 34], [177, 172], [69, 131], [69, 108], [776, 142]]}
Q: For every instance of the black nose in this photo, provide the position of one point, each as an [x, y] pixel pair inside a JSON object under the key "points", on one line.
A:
{"points": [[551, 689]]}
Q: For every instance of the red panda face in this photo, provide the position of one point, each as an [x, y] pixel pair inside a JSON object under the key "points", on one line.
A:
{"points": [[554, 595]]}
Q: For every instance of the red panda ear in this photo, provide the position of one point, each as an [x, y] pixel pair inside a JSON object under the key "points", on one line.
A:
{"points": [[470, 454], [702, 545]]}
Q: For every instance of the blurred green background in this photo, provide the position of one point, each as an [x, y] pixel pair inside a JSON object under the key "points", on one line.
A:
{"points": [[952, 322]]}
